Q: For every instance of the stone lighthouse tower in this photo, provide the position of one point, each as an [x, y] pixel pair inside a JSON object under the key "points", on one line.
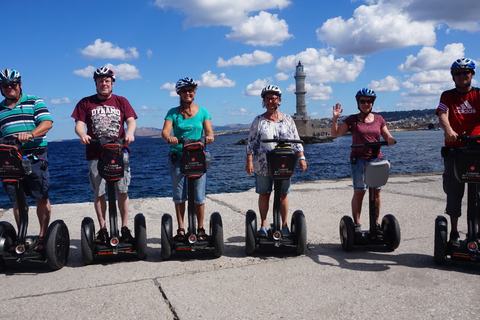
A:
{"points": [[302, 120], [300, 92]]}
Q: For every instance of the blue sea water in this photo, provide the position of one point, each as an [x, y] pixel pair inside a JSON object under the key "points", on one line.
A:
{"points": [[415, 152]]}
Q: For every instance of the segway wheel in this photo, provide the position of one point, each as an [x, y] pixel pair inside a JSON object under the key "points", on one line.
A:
{"points": [[347, 233], [166, 236], [250, 232], [216, 231], [141, 236], [8, 237], [87, 238], [440, 245], [299, 229], [391, 232], [58, 245]]}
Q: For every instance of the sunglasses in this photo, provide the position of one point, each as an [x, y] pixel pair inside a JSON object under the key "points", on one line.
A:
{"points": [[461, 73], [189, 90], [362, 101], [11, 85]]}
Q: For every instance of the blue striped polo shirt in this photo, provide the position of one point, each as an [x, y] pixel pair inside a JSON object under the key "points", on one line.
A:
{"points": [[27, 114]]}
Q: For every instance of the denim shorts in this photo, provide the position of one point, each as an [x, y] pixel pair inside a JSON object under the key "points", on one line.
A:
{"points": [[36, 184], [98, 184], [263, 184], [180, 183], [358, 175]]}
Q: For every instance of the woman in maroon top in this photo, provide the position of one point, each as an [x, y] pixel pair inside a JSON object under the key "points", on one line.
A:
{"points": [[365, 127]]}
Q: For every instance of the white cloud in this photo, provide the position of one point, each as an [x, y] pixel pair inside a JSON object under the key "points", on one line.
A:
{"points": [[61, 101], [241, 112], [458, 14], [234, 14], [314, 92], [85, 72], [149, 53], [281, 76], [321, 66], [107, 50], [255, 89], [247, 59], [388, 84], [431, 76], [374, 28], [430, 58], [265, 29], [210, 80], [122, 71]]}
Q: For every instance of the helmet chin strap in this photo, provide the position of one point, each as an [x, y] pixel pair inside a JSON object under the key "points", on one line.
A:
{"points": [[105, 96]]}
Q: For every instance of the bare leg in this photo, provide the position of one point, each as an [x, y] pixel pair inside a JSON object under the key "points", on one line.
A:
{"points": [[44, 212], [378, 203], [100, 205], [263, 204], [200, 213], [123, 203], [357, 204], [180, 211]]}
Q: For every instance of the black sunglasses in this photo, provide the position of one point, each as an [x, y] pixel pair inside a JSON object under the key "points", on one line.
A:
{"points": [[461, 73]]}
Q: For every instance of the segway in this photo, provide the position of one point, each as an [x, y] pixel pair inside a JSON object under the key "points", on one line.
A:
{"points": [[281, 162], [376, 173], [111, 167], [467, 170], [193, 165], [18, 248]]}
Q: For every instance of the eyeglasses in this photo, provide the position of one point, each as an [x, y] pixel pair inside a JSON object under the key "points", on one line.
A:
{"points": [[189, 90], [273, 99], [12, 85], [362, 101], [461, 73]]}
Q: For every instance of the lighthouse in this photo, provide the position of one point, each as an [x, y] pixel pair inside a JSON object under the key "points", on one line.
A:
{"points": [[302, 120]]}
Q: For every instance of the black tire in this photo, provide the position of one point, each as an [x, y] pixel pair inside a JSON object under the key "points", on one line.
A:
{"points": [[347, 233], [299, 230], [141, 236], [8, 237], [58, 245], [440, 245], [216, 232], [391, 232], [166, 237], [87, 240], [250, 232]]}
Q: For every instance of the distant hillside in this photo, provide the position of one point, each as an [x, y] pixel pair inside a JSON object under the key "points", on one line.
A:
{"points": [[425, 115]]}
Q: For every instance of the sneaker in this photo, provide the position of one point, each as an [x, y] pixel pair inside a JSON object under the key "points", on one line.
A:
{"points": [[262, 232], [126, 235], [379, 229], [455, 239], [285, 231], [358, 228], [102, 235]]}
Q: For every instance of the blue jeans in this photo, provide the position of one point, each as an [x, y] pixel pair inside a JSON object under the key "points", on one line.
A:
{"points": [[263, 184], [180, 184], [358, 175]]}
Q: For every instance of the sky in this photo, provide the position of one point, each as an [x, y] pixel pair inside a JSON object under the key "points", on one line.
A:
{"points": [[402, 49]]}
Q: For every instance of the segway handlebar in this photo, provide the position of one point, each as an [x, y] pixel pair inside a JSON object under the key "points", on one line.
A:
{"points": [[282, 141], [119, 140], [187, 141], [468, 138], [371, 144]]}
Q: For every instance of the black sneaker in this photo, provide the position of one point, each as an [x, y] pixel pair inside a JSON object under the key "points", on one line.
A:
{"points": [[454, 239], [358, 228], [126, 235], [102, 236]]}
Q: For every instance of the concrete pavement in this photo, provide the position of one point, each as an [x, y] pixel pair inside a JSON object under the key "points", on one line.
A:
{"points": [[324, 283]]}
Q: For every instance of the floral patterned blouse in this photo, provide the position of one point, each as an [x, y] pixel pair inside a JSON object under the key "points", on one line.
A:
{"points": [[262, 128]]}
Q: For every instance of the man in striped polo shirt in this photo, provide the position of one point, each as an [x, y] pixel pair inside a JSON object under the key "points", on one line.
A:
{"points": [[27, 119]]}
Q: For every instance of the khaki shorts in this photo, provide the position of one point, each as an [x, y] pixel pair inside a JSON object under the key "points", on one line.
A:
{"points": [[98, 184]]}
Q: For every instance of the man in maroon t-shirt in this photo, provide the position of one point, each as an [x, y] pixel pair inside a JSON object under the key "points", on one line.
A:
{"points": [[104, 114], [458, 112]]}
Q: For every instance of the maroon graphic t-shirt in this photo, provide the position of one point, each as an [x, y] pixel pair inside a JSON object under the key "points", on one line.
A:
{"points": [[104, 119]]}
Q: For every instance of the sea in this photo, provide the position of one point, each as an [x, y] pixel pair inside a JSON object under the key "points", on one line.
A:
{"points": [[415, 152]]}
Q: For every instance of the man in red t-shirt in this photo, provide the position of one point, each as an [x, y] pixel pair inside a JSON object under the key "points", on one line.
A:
{"points": [[458, 112], [104, 114]]}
